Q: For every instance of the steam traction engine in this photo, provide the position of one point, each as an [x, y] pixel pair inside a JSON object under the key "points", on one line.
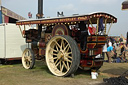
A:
{"points": [[67, 43]]}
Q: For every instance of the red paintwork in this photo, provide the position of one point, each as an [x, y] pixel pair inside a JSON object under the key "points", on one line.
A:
{"points": [[10, 59], [94, 42], [42, 44]]}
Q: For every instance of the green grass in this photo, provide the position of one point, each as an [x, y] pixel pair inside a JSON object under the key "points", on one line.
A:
{"points": [[15, 74]]}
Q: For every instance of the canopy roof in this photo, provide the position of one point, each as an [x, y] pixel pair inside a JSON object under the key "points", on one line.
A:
{"points": [[93, 17]]}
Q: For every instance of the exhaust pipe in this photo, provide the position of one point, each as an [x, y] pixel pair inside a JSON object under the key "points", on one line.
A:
{"points": [[40, 9]]}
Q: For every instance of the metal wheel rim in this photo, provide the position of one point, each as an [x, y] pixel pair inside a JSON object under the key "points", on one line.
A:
{"points": [[27, 59], [59, 56]]}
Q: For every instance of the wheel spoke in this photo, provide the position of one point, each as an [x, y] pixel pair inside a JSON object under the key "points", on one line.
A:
{"points": [[29, 58], [27, 63], [69, 60], [58, 63], [57, 44], [57, 48], [61, 69], [53, 50], [69, 53], [25, 58], [62, 44], [67, 47], [53, 58], [65, 65], [69, 57], [53, 54]]}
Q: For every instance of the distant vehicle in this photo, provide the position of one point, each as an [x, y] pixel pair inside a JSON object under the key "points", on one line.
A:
{"points": [[65, 42]]}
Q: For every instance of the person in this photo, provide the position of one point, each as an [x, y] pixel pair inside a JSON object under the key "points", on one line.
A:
{"points": [[84, 34], [122, 47], [104, 51], [115, 44], [124, 52], [114, 50], [109, 43], [92, 30], [110, 53], [118, 50]]}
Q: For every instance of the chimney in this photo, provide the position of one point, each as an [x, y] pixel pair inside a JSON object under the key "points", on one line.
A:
{"points": [[40, 9]]}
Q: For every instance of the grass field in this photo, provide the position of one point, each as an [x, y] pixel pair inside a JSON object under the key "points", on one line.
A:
{"points": [[15, 74]]}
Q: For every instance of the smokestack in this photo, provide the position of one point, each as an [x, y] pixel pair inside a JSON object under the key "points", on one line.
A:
{"points": [[40, 9], [40, 15]]}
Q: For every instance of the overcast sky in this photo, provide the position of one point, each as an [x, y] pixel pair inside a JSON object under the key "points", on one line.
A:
{"points": [[69, 7]]}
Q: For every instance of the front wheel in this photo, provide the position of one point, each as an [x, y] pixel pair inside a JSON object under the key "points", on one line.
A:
{"points": [[62, 55], [28, 59]]}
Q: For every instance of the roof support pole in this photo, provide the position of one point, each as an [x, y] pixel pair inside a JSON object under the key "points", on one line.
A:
{"points": [[97, 25], [24, 28], [105, 26], [21, 31], [90, 22], [110, 27]]}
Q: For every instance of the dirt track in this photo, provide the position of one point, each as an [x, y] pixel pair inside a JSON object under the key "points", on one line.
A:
{"points": [[16, 75]]}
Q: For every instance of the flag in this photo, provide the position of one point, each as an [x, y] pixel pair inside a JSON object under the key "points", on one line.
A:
{"points": [[29, 15]]}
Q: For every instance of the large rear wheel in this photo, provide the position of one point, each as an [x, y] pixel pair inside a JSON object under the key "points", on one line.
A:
{"points": [[28, 59], [62, 55]]}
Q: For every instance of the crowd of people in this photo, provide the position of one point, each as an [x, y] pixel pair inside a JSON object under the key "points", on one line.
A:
{"points": [[115, 51]]}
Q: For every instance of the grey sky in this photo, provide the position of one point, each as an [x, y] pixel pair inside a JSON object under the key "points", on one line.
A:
{"points": [[69, 7]]}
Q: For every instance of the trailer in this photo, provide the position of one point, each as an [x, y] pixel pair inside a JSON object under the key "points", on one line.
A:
{"points": [[12, 44]]}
